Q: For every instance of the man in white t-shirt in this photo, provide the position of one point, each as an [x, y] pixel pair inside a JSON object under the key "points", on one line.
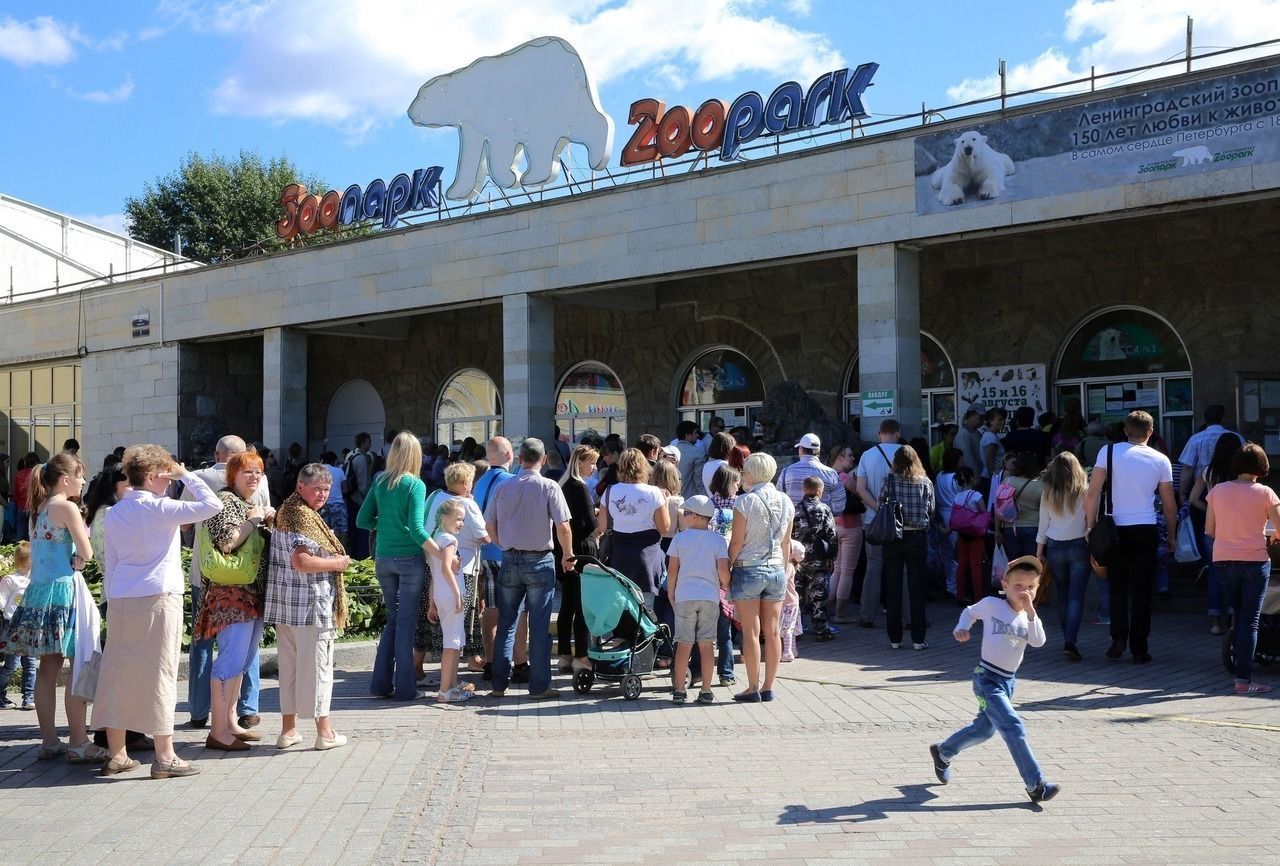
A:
{"points": [[874, 466], [1138, 473]]}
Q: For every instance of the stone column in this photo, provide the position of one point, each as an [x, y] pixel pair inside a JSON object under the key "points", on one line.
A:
{"points": [[889, 335], [528, 367], [284, 389]]}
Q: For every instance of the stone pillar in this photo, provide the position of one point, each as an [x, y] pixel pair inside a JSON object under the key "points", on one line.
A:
{"points": [[889, 335], [528, 367], [284, 389]]}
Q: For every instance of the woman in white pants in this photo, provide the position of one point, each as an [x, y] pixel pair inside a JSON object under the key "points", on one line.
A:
{"points": [[307, 604]]}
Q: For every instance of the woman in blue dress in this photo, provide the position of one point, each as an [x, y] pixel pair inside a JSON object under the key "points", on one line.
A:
{"points": [[44, 623]]}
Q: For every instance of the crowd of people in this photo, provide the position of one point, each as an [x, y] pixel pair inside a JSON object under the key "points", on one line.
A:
{"points": [[472, 547]]}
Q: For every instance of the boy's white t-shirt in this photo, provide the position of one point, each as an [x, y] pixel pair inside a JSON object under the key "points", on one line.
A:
{"points": [[1005, 633], [11, 590], [441, 593], [1136, 472], [698, 551]]}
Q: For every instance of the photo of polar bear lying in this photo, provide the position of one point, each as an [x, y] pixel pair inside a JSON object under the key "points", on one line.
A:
{"points": [[974, 165]]}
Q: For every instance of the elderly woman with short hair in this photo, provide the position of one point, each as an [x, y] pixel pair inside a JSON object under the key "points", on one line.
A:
{"points": [[144, 584], [307, 604], [758, 546]]}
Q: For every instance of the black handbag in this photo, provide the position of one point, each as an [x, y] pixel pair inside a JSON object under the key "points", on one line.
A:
{"points": [[886, 527], [1104, 538]]}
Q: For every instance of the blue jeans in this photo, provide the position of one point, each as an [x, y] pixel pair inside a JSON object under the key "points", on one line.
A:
{"points": [[201, 669], [10, 665], [1019, 541], [996, 713], [1245, 584], [1069, 562], [401, 579], [237, 649], [724, 648], [528, 577], [1214, 576]]}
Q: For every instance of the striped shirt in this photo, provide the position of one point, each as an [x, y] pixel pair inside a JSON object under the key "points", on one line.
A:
{"points": [[791, 482]]}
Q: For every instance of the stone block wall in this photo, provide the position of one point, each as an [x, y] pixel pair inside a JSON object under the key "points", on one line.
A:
{"points": [[220, 393], [130, 397]]}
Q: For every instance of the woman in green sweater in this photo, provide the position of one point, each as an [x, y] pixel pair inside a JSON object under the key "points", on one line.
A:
{"points": [[395, 508]]}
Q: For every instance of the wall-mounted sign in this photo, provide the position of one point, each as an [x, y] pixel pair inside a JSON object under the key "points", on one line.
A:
{"points": [[1187, 128], [878, 404], [141, 323], [525, 104], [306, 212], [1008, 387], [670, 132]]}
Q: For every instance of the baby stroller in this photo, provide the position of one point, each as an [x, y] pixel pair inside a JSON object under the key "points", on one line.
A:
{"points": [[1268, 631], [625, 635]]}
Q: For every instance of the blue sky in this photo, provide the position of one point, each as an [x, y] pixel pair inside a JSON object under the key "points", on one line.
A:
{"points": [[104, 97]]}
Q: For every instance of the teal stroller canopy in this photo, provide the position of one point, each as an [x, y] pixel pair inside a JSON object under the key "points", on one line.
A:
{"points": [[609, 599]]}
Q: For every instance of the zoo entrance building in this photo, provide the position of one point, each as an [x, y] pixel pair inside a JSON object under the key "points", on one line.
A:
{"points": [[1125, 258]]}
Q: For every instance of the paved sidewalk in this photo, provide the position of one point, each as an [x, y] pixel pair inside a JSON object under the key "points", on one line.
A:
{"points": [[1159, 763]]}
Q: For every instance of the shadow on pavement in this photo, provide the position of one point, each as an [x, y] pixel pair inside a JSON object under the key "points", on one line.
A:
{"points": [[913, 798]]}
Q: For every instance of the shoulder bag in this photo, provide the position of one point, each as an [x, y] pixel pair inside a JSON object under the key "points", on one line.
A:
{"points": [[1104, 538], [886, 527], [237, 568]]}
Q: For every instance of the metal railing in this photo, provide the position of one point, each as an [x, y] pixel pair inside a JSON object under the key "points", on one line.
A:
{"points": [[586, 180]]}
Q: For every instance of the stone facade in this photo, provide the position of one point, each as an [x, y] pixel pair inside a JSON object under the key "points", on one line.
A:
{"points": [[221, 393]]}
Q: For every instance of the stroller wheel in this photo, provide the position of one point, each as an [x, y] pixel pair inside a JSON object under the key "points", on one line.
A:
{"points": [[631, 687], [583, 680]]}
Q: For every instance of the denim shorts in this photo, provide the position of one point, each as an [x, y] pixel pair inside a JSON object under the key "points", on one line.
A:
{"points": [[764, 582]]}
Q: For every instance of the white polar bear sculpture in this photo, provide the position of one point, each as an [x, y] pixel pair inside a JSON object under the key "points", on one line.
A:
{"points": [[528, 102], [973, 164], [1193, 155]]}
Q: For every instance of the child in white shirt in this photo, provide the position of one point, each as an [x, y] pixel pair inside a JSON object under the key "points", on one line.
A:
{"points": [[789, 625], [11, 590], [1009, 625], [446, 601], [698, 566]]}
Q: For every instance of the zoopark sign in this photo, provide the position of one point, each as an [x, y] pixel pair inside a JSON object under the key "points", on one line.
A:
{"points": [[306, 212]]}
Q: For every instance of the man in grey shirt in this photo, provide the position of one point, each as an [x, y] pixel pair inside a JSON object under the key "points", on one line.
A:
{"points": [[521, 515], [874, 466], [969, 441], [198, 697]]}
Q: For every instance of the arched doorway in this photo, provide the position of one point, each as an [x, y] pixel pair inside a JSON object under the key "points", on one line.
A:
{"points": [[1126, 358], [469, 405], [591, 400], [354, 408], [937, 388], [721, 382]]}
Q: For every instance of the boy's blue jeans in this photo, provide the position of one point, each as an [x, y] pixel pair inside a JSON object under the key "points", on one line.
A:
{"points": [[28, 674], [996, 713]]}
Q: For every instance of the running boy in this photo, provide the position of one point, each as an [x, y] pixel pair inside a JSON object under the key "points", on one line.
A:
{"points": [[11, 589], [697, 566], [446, 601], [1010, 624]]}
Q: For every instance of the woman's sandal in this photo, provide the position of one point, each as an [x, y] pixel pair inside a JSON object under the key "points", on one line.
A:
{"points": [[47, 754], [87, 752], [111, 768]]}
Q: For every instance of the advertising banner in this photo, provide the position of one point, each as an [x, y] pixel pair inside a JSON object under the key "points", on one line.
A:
{"points": [[1008, 387], [1170, 131]]}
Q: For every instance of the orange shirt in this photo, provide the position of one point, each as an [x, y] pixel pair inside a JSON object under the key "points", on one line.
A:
{"points": [[1240, 512]]}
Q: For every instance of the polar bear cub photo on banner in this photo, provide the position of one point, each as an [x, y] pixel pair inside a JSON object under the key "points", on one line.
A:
{"points": [[975, 167], [524, 105]]}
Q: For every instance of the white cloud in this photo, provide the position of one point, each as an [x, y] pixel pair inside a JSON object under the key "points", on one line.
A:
{"points": [[356, 64], [799, 7], [40, 41], [112, 222], [1111, 35], [105, 97]]}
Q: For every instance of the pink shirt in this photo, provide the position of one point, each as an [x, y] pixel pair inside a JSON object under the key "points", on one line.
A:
{"points": [[1240, 513]]}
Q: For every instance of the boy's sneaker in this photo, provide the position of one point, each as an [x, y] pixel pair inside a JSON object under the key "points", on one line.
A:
{"points": [[679, 697], [707, 697], [1044, 792], [29, 703], [728, 681], [941, 768], [6, 704]]}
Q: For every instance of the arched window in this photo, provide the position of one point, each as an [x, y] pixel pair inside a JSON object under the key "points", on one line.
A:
{"points": [[721, 382], [937, 387], [1124, 359], [354, 408], [469, 406], [590, 399]]}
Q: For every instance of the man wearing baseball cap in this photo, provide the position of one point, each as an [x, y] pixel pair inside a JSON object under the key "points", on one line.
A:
{"points": [[808, 464]]}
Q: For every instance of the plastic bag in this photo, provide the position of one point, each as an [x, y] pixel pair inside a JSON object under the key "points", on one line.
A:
{"points": [[1185, 548], [999, 565]]}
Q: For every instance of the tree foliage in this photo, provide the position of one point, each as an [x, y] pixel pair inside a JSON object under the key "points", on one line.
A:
{"points": [[222, 208]]}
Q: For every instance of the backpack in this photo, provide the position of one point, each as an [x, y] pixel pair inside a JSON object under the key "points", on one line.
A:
{"points": [[1006, 506], [349, 488]]}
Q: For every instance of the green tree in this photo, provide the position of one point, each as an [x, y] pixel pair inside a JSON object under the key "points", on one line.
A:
{"points": [[222, 208]]}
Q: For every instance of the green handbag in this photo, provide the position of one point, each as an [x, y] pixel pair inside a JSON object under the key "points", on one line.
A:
{"points": [[237, 568]]}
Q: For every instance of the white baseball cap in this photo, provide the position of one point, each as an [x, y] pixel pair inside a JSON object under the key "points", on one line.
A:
{"points": [[810, 441], [700, 505]]}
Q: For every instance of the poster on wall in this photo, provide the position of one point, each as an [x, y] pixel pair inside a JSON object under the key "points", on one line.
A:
{"points": [[1009, 387], [1183, 129]]}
